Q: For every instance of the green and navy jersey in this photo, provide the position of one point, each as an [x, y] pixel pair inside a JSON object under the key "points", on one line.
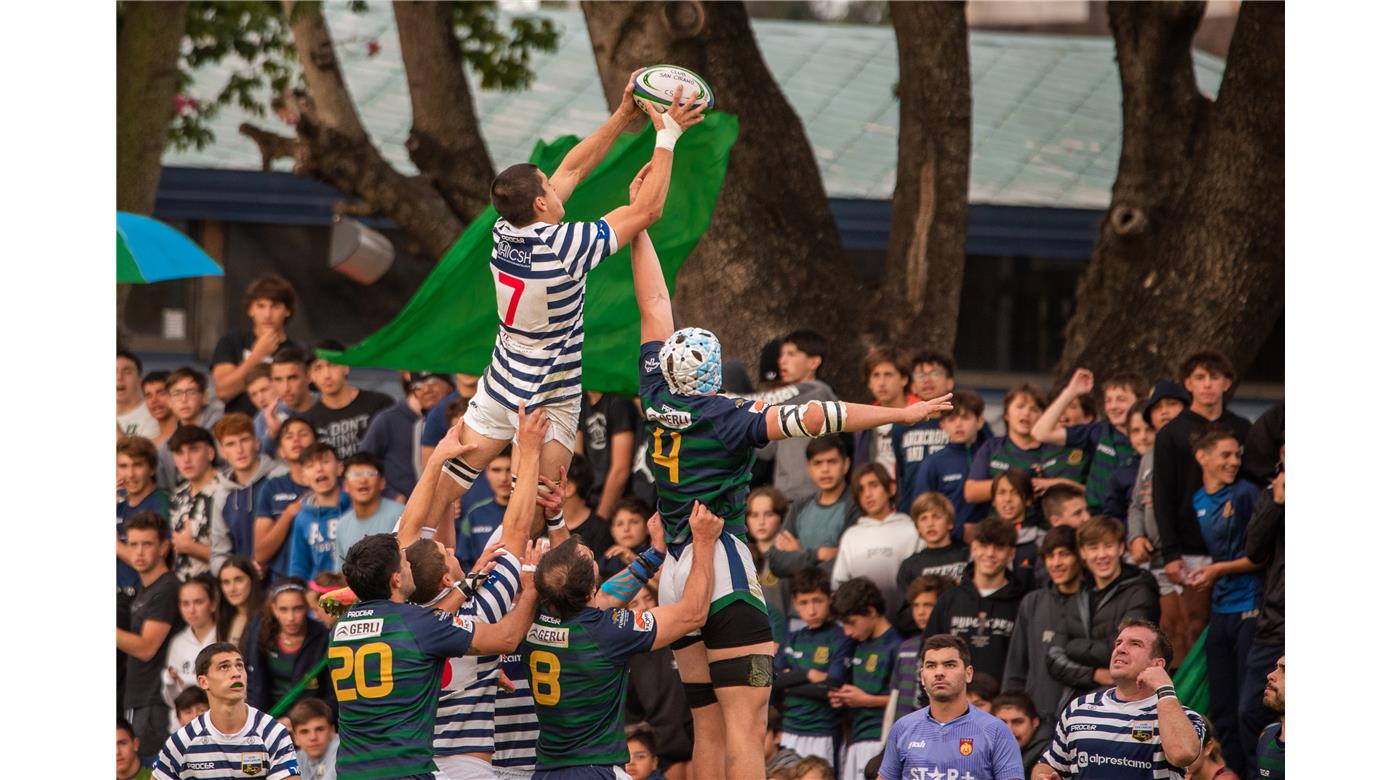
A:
{"points": [[386, 662], [1269, 755], [1109, 450], [700, 448], [826, 649], [872, 665], [1000, 454], [578, 678]]}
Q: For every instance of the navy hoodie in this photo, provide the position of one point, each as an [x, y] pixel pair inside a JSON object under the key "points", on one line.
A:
{"points": [[394, 437]]}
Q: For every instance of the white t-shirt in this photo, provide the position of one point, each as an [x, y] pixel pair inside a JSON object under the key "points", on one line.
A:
{"points": [[138, 422], [874, 549], [184, 647]]}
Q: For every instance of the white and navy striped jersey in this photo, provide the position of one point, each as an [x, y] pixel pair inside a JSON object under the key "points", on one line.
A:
{"points": [[261, 748], [467, 703], [539, 271], [517, 727], [1099, 736]]}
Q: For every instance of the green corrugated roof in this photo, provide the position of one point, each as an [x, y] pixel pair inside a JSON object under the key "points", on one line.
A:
{"points": [[1045, 109]]}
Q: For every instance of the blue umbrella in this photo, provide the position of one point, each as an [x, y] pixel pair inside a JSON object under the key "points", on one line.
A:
{"points": [[149, 250]]}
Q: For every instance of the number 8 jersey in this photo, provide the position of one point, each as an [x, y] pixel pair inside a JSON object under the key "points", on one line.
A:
{"points": [[539, 271], [386, 663]]}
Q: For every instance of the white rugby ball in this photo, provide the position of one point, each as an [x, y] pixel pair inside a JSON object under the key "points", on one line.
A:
{"points": [[657, 84]]}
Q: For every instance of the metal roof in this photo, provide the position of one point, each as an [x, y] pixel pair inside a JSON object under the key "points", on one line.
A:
{"points": [[1045, 109]]}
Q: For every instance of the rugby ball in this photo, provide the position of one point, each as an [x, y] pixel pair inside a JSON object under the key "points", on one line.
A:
{"points": [[657, 84]]}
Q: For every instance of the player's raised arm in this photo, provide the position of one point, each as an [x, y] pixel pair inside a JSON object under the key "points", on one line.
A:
{"points": [[622, 587], [585, 156], [674, 621], [420, 502], [818, 418], [645, 209], [653, 299], [520, 510]]}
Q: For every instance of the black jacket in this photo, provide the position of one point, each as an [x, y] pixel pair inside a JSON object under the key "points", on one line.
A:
{"points": [[985, 622], [1175, 479], [313, 651], [655, 695], [1260, 460], [1084, 639], [1263, 544]]}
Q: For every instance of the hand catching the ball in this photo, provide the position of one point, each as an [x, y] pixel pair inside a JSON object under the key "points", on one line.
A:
{"points": [[681, 115], [627, 108]]}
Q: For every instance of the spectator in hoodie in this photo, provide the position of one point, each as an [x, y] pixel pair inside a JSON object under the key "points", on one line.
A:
{"points": [[906, 695], [880, 540], [1208, 377], [1104, 442], [133, 418], [1264, 545], [312, 539], [815, 523], [370, 512], [946, 470], [342, 414], [860, 608], [282, 647], [942, 554], [1223, 507], [629, 536], [1038, 617], [158, 404], [240, 598], [764, 511], [887, 378], [800, 362], [1011, 502], [198, 500], [775, 756], [1114, 591], [1021, 408], [315, 738], [276, 506], [982, 608], [291, 382], [813, 660], [245, 474], [270, 303], [1144, 543], [1120, 484], [395, 434], [1018, 712], [931, 376]]}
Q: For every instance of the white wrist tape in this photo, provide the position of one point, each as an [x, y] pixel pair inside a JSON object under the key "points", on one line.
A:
{"points": [[667, 136], [790, 420]]}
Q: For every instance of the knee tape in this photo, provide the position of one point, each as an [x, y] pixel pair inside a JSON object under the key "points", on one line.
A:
{"points": [[753, 671], [699, 695]]}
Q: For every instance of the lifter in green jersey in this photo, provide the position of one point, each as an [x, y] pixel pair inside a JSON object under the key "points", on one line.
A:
{"points": [[703, 450]]}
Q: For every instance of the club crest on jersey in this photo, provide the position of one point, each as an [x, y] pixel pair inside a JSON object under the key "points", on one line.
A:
{"points": [[651, 364], [251, 764], [821, 655], [1075, 457], [1142, 730], [1228, 510], [965, 746], [871, 662]]}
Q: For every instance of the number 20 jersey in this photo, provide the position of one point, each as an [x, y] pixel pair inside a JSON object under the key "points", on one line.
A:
{"points": [[539, 272], [386, 663], [699, 448]]}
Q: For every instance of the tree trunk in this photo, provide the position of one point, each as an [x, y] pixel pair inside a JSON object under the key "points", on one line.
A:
{"points": [[445, 140], [922, 285], [772, 260], [1190, 254], [148, 54]]}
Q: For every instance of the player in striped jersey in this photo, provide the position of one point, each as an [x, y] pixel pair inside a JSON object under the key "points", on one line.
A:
{"points": [[578, 653], [1136, 729], [540, 266], [232, 739], [1106, 441], [702, 449]]}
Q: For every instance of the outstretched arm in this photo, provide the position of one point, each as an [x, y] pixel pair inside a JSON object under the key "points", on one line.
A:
{"points": [[818, 418], [1047, 429], [653, 299], [583, 158]]}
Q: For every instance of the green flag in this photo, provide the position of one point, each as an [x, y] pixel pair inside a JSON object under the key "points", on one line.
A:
{"points": [[450, 324]]}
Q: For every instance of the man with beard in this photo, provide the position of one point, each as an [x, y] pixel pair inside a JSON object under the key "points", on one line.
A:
{"points": [[1269, 754]]}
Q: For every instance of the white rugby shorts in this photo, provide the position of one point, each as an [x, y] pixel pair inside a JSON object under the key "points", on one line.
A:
{"points": [[491, 419]]}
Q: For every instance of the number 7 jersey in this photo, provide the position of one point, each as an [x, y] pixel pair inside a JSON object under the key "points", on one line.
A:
{"points": [[386, 663], [539, 272]]}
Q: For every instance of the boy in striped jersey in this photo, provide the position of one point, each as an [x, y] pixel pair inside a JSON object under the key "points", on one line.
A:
{"points": [[1106, 441], [702, 450], [232, 739], [1022, 408], [1136, 729], [540, 266], [813, 660], [860, 607]]}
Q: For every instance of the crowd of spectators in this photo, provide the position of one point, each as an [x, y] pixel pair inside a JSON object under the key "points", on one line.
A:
{"points": [[240, 489]]}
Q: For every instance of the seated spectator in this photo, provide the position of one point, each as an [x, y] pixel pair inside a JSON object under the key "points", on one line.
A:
{"points": [[136, 492], [190, 704], [133, 418], [879, 541], [240, 598], [1144, 543], [282, 647], [155, 618], [315, 738], [982, 690], [370, 512], [276, 506], [1116, 591], [642, 761], [656, 697], [199, 499], [800, 361], [1021, 409], [481, 519], [942, 554], [813, 660], [931, 376], [579, 516], [861, 610], [128, 759], [887, 378], [1210, 764], [292, 384], [312, 539], [1011, 502], [197, 600], [775, 756], [763, 516], [1018, 712], [815, 523], [907, 694], [394, 434], [270, 303], [946, 470], [320, 585], [158, 404], [342, 414], [629, 537], [1040, 614], [245, 474], [982, 608], [607, 433], [1120, 484]]}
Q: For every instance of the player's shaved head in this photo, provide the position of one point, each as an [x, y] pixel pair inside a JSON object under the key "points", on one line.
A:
{"points": [[566, 579]]}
